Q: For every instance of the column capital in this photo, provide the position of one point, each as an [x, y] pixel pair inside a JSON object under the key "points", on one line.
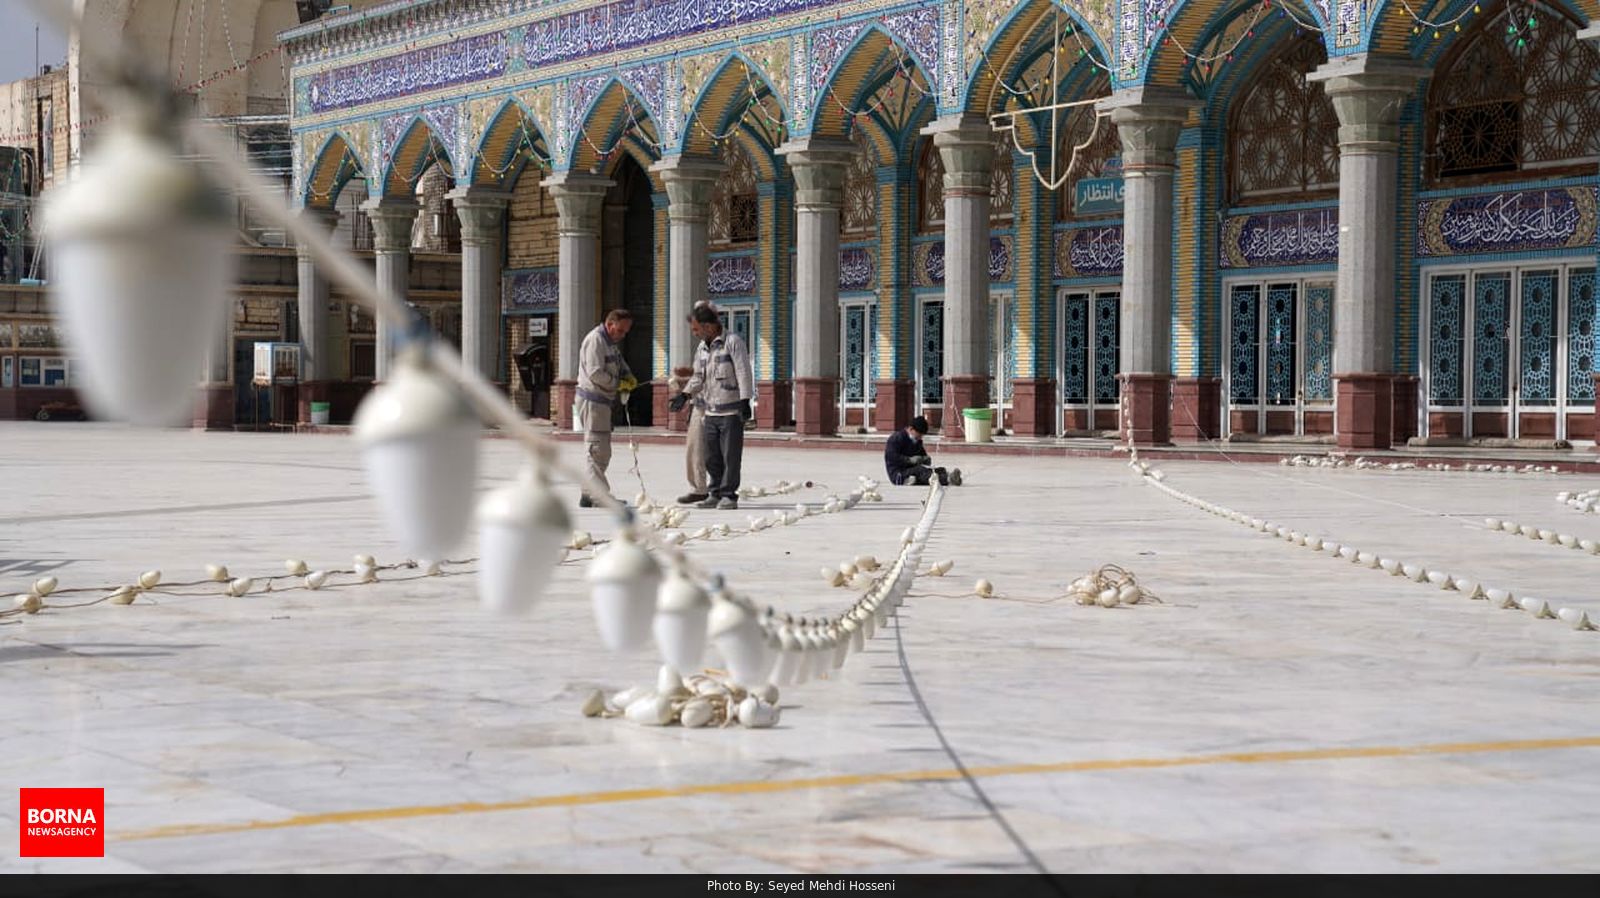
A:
{"points": [[966, 147], [1589, 33], [1368, 93], [480, 211], [325, 220], [1148, 120], [819, 167], [690, 181], [579, 197], [392, 221]]}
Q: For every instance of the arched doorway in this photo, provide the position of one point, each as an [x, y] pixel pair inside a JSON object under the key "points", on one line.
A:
{"points": [[627, 278]]}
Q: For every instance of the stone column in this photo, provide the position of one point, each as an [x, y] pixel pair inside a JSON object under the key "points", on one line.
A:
{"points": [[1148, 121], [1368, 93], [819, 171], [392, 224], [579, 198], [482, 214], [966, 147], [689, 184], [897, 401], [316, 343], [214, 404]]}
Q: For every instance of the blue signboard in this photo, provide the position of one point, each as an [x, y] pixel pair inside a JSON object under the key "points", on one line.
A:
{"points": [[1097, 196]]}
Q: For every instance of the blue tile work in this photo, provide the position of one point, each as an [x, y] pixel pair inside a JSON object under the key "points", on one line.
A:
{"points": [[1581, 322], [1107, 347], [1281, 344], [1446, 338], [1491, 346], [1244, 345], [1075, 349], [1509, 221], [1536, 383], [1319, 342]]}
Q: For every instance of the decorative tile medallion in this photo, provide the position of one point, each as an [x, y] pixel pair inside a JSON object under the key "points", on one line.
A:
{"points": [[1089, 252]]}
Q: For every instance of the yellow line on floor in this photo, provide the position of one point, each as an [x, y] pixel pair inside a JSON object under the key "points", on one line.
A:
{"points": [[757, 787]]}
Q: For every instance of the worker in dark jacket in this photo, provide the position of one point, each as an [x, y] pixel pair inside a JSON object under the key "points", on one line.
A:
{"points": [[907, 462]]}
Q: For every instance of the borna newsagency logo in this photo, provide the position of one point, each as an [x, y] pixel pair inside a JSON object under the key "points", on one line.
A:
{"points": [[62, 823]]}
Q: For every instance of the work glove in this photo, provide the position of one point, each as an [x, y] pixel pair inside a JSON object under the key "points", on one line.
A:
{"points": [[677, 402], [920, 459], [745, 413], [628, 384]]}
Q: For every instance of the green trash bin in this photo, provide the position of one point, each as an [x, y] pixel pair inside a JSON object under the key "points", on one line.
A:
{"points": [[319, 412], [978, 424]]}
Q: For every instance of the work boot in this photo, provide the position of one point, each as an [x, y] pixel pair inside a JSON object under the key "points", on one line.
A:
{"points": [[728, 503], [585, 502], [707, 502], [944, 476], [955, 477], [691, 498]]}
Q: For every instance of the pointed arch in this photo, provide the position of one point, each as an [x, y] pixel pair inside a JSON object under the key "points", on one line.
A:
{"points": [[513, 134], [616, 120], [409, 158], [730, 95], [1015, 45], [1195, 24], [1392, 30], [335, 163], [872, 61]]}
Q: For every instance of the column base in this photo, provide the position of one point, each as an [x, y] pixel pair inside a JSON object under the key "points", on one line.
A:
{"points": [[1148, 414], [1196, 408], [1404, 424], [566, 392], [817, 406], [213, 407], [896, 405], [774, 404], [677, 422], [962, 391], [1033, 407], [1364, 407]]}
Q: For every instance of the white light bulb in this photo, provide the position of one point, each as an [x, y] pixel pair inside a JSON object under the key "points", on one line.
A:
{"points": [[623, 580], [142, 262], [520, 533], [682, 612], [420, 447]]}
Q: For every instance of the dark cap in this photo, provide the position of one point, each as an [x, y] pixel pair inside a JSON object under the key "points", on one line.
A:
{"points": [[920, 424]]}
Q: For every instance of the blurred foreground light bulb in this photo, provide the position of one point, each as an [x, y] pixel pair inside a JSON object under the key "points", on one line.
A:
{"points": [[420, 448], [742, 641], [623, 579], [142, 247], [682, 609], [522, 529]]}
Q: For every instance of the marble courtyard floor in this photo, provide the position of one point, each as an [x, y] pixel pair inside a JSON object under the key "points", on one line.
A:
{"points": [[1281, 712]]}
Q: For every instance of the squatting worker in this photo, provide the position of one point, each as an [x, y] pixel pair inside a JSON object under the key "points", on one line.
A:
{"points": [[695, 442], [725, 382], [602, 376], [907, 462]]}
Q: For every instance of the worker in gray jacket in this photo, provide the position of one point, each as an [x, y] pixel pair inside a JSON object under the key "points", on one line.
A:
{"points": [[694, 442], [725, 382], [603, 377]]}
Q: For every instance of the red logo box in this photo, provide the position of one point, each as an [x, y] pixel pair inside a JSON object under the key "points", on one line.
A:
{"points": [[63, 823]]}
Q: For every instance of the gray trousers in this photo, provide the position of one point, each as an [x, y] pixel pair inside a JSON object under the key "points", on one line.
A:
{"points": [[695, 453], [595, 420], [724, 436]]}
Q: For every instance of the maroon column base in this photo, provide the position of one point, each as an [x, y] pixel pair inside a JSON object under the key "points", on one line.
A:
{"points": [[774, 408], [1196, 408], [1403, 426], [678, 421], [816, 406], [566, 391], [213, 407], [1033, 407], [896, 405], [1148, 410], [312, 391], [962, 391], [1364, 406]]}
